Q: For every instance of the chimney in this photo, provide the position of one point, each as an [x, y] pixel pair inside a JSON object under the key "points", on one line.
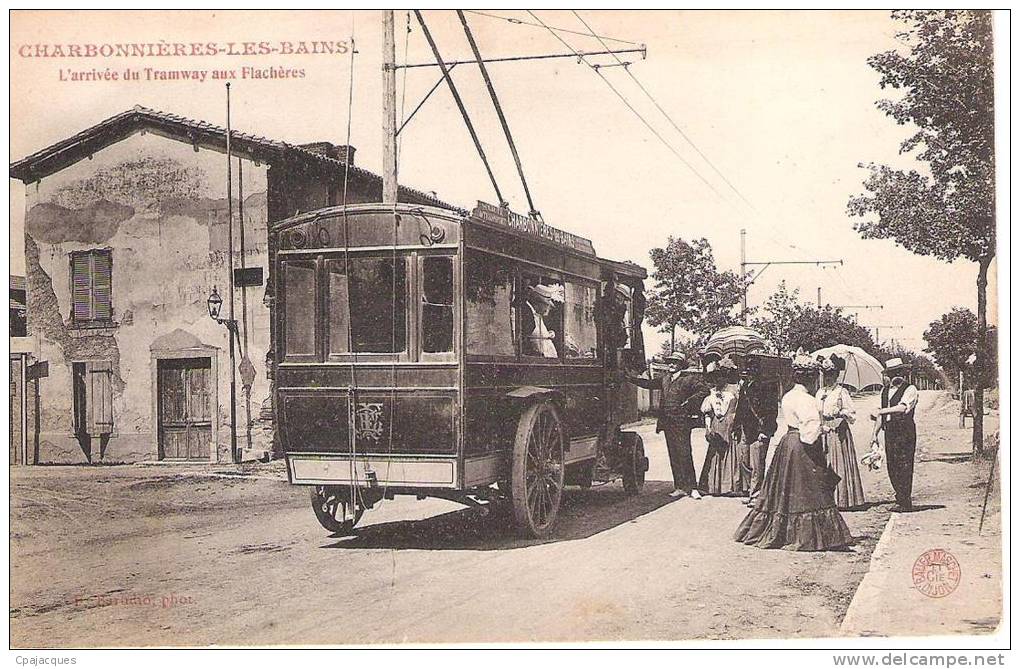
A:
{"points": [[341, 152]]}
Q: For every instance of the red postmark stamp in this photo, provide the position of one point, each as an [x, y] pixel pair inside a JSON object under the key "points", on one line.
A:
{"points": [[936, 573]]}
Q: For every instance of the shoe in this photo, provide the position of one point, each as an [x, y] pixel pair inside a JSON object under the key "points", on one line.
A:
{"points": [[678, 493], [695, 494], [899, 508]]}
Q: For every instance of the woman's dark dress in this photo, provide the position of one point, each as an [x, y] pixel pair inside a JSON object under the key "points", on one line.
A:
{"points": [[796, 509]]}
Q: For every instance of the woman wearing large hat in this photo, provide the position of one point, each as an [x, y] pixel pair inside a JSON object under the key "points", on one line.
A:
{"points": [[720, 472], [796, 510], [837, 439]]}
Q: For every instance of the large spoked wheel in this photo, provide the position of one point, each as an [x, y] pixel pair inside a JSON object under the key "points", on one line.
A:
{"points": [[333, 510], [538, 471], [633, 462]]}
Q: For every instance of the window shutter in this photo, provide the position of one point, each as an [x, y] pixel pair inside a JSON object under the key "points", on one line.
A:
{"points": [[81, 287], [99, 386], [102, 285]]}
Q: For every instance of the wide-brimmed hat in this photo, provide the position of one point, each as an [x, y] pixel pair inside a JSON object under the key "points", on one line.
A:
{"points": [[833, 363], [722, 366], [804, 363], [548, 293], [675, 356], [894, 364]]}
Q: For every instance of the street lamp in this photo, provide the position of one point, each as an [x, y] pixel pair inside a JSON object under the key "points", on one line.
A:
{"points": [[215, 303]]}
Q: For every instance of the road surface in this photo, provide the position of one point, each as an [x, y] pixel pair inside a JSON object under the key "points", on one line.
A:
{"points": [[171, 555]]}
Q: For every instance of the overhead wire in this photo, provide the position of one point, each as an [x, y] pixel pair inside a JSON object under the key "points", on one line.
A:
{"points": [[665, 114], [517, 21], [631, 107]]}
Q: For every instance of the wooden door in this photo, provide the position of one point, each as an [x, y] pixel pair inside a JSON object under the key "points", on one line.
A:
{"points": [[185, 411]]}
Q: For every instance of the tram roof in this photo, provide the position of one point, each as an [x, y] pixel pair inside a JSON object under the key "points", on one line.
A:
{"points": [[485, 215]]}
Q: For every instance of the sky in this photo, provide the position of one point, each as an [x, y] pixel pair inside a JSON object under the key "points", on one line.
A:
{"points": [[781, 103]]}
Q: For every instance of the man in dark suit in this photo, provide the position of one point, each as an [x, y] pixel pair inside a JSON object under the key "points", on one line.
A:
{"points": [[679, 413]]}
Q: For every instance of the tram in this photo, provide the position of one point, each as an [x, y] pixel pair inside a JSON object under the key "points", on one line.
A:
{"points": [[474, 356]]}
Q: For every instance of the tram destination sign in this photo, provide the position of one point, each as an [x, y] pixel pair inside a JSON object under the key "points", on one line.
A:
{"points": [[532, 227]]}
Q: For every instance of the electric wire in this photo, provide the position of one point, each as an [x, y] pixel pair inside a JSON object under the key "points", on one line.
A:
{"points": [[631, 107], [665, 114], [516, 21]]}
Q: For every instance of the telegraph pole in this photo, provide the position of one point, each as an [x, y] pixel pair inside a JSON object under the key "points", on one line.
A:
{"points": [[743, 272], [389, 75], [819, 297], [884, 327], [764, 264]]}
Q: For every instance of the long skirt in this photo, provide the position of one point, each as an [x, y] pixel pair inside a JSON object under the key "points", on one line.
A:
{"points": [[721, 473], [796, 510], [841, 458]]}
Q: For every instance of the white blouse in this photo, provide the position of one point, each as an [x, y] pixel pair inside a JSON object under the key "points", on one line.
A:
{"points": [[802, 412], [836, 403], [717, 402]]}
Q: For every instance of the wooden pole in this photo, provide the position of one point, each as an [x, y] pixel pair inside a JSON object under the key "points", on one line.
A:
{"points": [[235, 455], [389, 107]]}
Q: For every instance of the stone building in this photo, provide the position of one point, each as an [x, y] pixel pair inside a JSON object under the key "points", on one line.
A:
{"points": [[125, 239]]}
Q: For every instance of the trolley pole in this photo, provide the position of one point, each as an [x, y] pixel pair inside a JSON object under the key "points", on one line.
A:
{"points": [[389, 106]]}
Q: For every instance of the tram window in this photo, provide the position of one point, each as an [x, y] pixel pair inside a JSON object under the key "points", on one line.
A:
{"points": [[542, 317], [489, 305], [437, 305], [299, 307], [374, 290], [580, 336], [336, 286]]}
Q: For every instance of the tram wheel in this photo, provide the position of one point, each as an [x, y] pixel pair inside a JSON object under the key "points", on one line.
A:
{"points": [[634, 462], [537, 472], [332, 506]]}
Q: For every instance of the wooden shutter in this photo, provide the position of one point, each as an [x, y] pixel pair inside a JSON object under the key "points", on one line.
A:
{"points": [[102, 285], [81, 287], [92, 285], [99, 402]]}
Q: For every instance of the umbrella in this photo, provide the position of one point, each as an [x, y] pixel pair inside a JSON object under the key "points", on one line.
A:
{"points": [[862, 370], [735, 340]]}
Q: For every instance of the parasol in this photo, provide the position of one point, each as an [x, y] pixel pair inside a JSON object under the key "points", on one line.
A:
{"points": [[862, 370], [735, 340]]}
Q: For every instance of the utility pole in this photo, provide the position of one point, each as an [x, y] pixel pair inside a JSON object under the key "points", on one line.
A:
{"points": [[859, 306], [235, 454], [744, 264], [884, 327], [743, 272], [819, 297], [389, 75]]}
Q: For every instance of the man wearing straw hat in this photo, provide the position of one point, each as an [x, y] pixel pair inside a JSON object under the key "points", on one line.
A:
{"points": [[679, 411], [896, 417]]}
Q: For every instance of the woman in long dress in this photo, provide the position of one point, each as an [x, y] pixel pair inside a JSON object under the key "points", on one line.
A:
{"points": [[720, 473], [796, 510], [837, 439]]}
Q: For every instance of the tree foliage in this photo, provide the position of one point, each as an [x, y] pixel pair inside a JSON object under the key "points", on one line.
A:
{"points": [[944, 73], [952, 340], [778, 312], [690, 292]]}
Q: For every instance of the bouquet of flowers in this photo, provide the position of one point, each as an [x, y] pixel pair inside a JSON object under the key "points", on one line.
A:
{"points": [[873, 460]]}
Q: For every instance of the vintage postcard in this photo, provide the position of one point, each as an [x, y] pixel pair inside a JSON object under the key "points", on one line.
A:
{"points": [[405, 327]]}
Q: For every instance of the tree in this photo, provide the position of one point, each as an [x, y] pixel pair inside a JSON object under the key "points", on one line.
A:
{"points": [[813, 329], [944, 72], [952, 340], [781, 308], [690, 292]]}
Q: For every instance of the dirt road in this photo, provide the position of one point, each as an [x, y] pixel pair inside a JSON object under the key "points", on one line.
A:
{"points": [[162, 555]]}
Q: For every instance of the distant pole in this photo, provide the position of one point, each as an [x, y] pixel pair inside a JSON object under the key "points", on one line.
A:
{"points": [[389, 74], [819, 297], [743, 271], [244, 307], [234, 453]]}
